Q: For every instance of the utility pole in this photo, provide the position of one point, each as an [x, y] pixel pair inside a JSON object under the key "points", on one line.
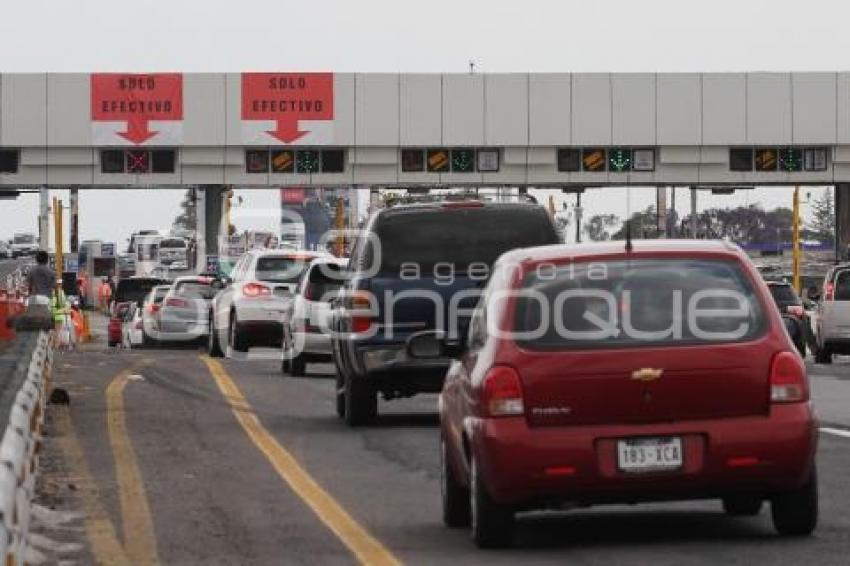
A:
{"points": [[200, 230], [43, 218]]}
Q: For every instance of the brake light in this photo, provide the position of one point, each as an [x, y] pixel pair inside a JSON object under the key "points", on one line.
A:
{"points": [[175, 302], [829, 293], [501, 393], [361, 317], [463, 204], [152, 308], [788, 379], [256, 290], [795, 310]]}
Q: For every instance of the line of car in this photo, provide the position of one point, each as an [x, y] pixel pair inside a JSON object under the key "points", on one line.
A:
{"points": [[569, 375]]}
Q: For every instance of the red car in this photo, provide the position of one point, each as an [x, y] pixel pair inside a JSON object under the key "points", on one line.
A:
{"points": [[620, 373], [116, 321]]}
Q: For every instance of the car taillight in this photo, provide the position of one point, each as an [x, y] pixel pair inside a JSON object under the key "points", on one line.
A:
{"points": [[795, 310], [361, 317], [175, 302], [829, 292], [308, 293], [788, 379], [501, 393], [152, 308], [256, 290]]}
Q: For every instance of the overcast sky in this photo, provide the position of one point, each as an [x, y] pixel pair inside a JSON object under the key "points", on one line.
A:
{"points": [[404, 36]]}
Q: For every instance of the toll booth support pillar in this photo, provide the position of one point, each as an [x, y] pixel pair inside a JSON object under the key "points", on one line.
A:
{"points": [[74, 221], [213, 213], [842, 220], [43, 218], [693, 212]]}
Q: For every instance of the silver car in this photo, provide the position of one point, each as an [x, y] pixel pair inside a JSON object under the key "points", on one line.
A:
{"points": [[183, 316], [832, 329]]}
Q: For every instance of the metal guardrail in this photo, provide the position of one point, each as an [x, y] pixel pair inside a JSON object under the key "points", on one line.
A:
{"points": [[25, 365]]}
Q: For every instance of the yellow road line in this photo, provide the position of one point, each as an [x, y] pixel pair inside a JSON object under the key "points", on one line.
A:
{"points": [[139, 537], [105, 547], [365, 547]]}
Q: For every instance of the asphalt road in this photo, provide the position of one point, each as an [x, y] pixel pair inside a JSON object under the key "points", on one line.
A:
{"points": [[170, 459]]}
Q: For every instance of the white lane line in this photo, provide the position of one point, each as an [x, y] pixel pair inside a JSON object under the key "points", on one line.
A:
{"points": [[835, 431]]}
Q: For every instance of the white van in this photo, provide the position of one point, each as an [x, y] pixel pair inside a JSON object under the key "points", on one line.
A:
{"points": [[833, 320]]}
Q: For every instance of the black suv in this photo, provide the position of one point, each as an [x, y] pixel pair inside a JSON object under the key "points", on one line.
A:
{"points": [[418, 267]]}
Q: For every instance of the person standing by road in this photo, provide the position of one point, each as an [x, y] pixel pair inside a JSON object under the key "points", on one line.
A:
{"points": [[104, 294], [40, 278]]}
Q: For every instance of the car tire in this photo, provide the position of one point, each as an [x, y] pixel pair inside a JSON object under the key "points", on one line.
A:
{"points": [[340, 395], [795, 513], [742, 506], [298, 366], [361, 402], [213, 346], [237, 336], [456, 499], [147, 341], [823, 355], [492, 523]]}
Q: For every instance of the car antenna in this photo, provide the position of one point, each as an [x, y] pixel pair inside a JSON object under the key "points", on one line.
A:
{"points": [[628, 236]]}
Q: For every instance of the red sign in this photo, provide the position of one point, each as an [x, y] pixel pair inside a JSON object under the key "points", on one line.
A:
{"points": [[287, 98], [136, 99], [293, 195]]}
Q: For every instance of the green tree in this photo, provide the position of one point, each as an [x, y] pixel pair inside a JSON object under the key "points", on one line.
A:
{"points": [[822, 219], [598, 227], [187, 218], [644, 225]]}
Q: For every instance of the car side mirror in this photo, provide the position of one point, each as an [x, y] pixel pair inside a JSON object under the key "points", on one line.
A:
{"points": [[433, 344]]}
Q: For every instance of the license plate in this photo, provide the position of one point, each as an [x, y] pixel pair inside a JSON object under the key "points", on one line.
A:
{"points": [[649, 454]]}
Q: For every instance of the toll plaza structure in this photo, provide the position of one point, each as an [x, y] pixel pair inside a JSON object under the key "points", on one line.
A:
{"points": [[214, 130]]}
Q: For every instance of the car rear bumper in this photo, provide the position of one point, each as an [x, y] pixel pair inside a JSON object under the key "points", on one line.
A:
{"points": [[531, 466], [313, 343], [388, 366]]}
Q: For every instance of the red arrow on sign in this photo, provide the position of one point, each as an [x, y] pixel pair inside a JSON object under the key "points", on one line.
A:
{"points": [[287, 131], [287, 99], [137, 132]]}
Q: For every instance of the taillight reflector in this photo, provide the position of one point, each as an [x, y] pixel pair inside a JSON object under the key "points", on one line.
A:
{"points": [[788, 379], [256, 290], [501, 393], [829, 292]]}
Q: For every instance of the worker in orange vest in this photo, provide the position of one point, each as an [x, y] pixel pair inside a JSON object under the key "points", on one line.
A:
{"points": [[104, 294]]}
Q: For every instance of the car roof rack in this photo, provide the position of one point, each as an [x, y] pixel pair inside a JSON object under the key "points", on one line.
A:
{"points": [[457, 197]]}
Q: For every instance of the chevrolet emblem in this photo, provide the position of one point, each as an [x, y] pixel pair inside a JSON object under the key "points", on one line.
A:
{"points": [[647, 374]]}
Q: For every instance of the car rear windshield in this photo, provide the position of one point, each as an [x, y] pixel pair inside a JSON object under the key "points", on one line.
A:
{"points": [[635, 303], [842, 286], [281, 269], [324, 282], [195, 289], [784, 295], [456, 236], [135, 289], [172, 243]]}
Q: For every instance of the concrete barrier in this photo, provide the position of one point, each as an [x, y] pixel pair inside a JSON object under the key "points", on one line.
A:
{"points": [[25, 369]]}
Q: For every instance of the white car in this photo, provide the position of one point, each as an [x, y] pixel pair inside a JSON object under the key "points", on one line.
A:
{"points": [[248, 310], [150, 313], [132, 329], [306, 324]]}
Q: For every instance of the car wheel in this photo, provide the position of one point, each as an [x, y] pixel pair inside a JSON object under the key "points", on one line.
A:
{"points": [[456, 501], [298, 365], [213, 346], [147, 341], [795, 513], [742, 506], [361, 402], [492, 524], [823, 355], [237, 337], [340, 395]]}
